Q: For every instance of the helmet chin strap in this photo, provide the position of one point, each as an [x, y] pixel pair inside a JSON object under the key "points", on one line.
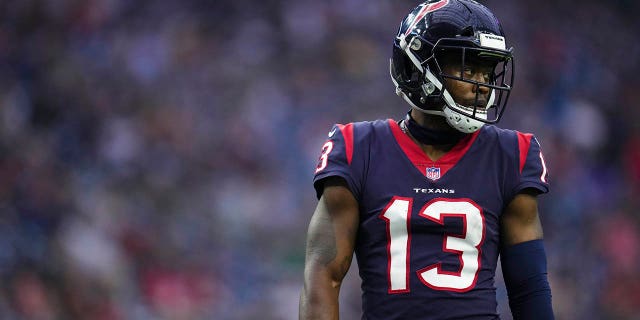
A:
{"points": [[450, 111], [429, 112], [455, 119]]}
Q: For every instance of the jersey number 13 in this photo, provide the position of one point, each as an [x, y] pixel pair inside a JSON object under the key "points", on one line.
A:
{"points": [[466, 246]]}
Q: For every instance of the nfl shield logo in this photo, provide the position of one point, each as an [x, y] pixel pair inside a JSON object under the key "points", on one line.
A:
{"points": [[433, 173]]}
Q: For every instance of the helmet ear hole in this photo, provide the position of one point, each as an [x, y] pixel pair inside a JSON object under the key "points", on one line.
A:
{"points": [[404, 71]]}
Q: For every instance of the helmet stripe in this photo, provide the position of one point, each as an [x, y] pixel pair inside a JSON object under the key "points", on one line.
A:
{"points": [[423, 12]]}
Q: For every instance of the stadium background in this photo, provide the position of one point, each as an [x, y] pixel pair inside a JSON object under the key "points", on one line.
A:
{"points": [[156, 156]]}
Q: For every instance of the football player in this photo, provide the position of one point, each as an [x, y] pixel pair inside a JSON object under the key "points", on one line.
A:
{"points": [[429, 202]]}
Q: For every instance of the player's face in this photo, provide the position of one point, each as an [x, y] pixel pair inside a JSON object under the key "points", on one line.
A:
{"points": [[465, 93]]}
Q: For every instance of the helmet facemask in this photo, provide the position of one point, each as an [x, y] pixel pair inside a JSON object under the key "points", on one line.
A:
{"points": [[491, 91]]}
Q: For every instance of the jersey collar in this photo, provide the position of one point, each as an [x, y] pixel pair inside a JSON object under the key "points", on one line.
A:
{"points": [[421, 161]]}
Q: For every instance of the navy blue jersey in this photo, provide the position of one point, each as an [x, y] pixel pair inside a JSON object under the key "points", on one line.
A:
{"points": [[428, 240]]}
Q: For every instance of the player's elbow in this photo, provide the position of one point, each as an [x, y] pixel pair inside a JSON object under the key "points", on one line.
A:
{"points": [[330, 274]]}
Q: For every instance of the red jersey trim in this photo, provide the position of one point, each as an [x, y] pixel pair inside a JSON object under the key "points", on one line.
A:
{"points": [[524, 142], [347, 133], [421, 161]]}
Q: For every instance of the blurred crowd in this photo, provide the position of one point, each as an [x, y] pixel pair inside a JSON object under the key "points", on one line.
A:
{"points": [[156, 157]]}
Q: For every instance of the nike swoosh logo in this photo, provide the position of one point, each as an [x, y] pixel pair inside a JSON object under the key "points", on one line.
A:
{"points": [[332, 132]]}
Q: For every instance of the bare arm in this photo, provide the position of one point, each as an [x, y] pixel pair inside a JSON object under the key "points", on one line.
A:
{"points": [[520, 221], [330, 244], [523, 259]]}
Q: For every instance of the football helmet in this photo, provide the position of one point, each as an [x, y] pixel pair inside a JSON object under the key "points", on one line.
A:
{"points": [[434, 33]]}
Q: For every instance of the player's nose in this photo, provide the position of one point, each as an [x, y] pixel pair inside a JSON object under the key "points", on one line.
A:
{"points": [[483, 90], [479, 77]]}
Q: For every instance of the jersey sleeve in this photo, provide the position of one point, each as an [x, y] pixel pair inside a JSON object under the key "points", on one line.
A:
{"points": [[532, 167], [336, 159]]}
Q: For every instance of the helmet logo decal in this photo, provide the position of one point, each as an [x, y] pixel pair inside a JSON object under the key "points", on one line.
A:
{"points": [[426, 9]]}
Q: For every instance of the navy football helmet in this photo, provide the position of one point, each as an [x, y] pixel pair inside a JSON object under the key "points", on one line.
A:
{"points": [[434, 33]]}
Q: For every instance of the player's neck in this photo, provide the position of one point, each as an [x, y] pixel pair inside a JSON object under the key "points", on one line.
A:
{"points": [[431, 122], [434, 152], [432, 133]]}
